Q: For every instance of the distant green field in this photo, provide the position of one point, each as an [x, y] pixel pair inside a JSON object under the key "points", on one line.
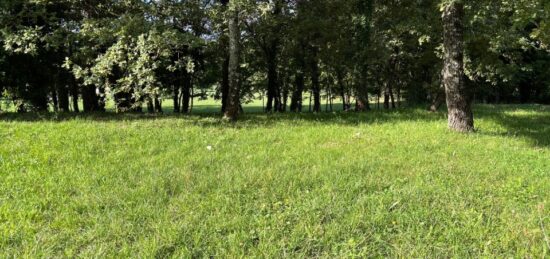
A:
{"points": [[378, 184], [204, 106]]}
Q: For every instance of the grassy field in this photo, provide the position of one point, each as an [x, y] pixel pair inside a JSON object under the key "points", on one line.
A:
{"points": [[380, 184]]}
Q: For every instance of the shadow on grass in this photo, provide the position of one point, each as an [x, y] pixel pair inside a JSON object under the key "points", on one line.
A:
{"points": [[530, 121], [252, 116]]}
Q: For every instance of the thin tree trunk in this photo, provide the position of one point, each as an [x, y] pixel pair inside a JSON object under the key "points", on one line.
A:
{"points": [[192, 99], [273, 102], [54, 98], [101, 100], [63, 96], [285, 97], [315, 84], [378, 96], [386, 97], [399, 97], [458, 96], [158, 104], [150, 105], [363, 93], [340, 78], [74, 95], [186, 93], [297, 94], [392, 97], [91, 100], [263, 101], [176, 97], [327, 100], [310, 96]]}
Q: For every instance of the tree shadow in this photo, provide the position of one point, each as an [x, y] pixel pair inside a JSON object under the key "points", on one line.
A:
{"points": [[253, 116], [528, 121]]}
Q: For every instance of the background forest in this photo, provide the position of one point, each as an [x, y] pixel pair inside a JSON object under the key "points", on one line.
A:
{"points": [[292, 53]]}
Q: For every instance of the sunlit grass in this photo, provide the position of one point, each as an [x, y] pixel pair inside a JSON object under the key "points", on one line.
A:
{"points": [[388, 184]]}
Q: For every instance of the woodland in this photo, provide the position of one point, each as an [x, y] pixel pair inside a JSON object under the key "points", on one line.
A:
{"points": [[57, 54], [275, 128]]}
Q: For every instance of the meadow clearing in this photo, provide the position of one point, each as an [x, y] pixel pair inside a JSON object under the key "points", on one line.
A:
{"points": [[378, 184]]}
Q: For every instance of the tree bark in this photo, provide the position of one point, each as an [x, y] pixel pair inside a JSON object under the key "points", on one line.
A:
{"points": [[233, 100], [386, 96], [186, 93], [176, 97], [458, 96], [90, 99], [285, 93], [392, 96], [342, 88], [315, 84], [74, 94], [296, 102], [55, 100], [158, 104], [63, 96], [273, 102], [362, 92], [150, 106], [310, 96], [297, 94]]}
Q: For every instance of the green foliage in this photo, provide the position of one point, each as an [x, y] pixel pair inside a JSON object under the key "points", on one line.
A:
{"points": [[159, 49]]}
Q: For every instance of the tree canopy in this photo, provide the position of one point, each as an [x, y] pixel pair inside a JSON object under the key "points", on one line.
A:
{"points": [[137, 53]]}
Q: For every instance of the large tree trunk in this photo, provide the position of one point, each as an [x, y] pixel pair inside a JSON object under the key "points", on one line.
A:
{"points": [[458, 96], [233, 100]]}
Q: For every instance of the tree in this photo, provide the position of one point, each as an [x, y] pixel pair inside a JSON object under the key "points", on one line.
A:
{"points": [[233, 101], [137, 53], [457, 94]]}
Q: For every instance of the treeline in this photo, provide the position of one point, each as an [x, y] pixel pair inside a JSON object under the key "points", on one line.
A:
{"points": [[57, 53]]}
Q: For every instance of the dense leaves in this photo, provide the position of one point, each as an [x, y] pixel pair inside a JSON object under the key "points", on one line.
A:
{"points": [[57, 54]]}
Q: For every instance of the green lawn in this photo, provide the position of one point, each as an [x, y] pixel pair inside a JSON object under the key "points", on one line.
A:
{"points": [[380, 184]]}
